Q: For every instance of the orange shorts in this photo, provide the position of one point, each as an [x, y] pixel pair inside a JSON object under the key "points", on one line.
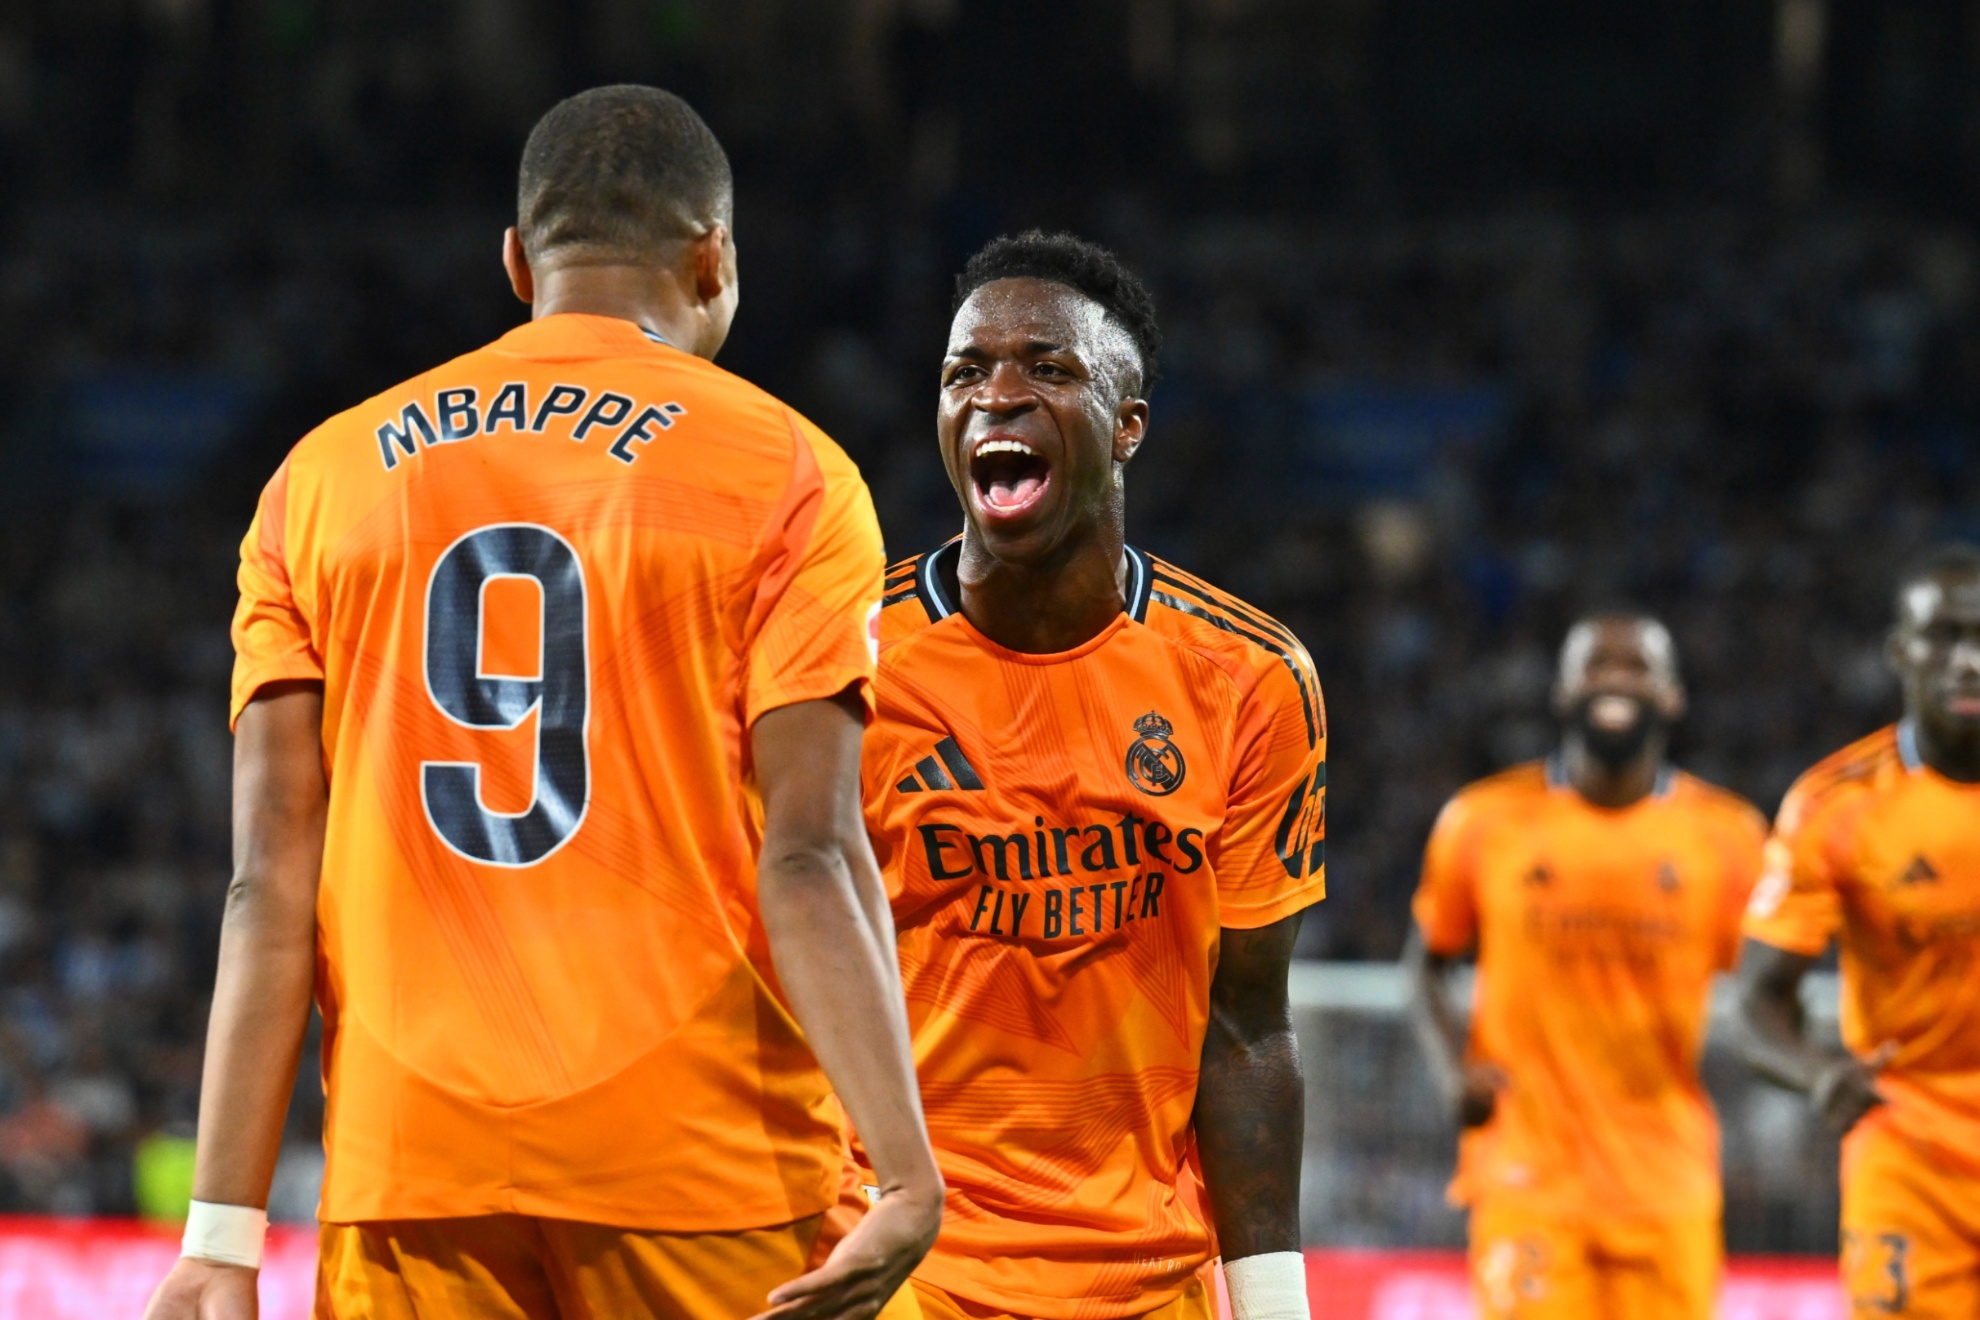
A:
{"points": [[1196, 1303], [1532, 1265], [513, 1267], [1910, 1227]]}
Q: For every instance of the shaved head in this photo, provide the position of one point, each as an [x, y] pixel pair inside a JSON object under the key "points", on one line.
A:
{"points": [[617, 173]]}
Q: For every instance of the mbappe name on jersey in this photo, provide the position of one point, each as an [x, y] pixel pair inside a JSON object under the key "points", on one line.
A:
{"points": [[1134, 844], [459, 413]]}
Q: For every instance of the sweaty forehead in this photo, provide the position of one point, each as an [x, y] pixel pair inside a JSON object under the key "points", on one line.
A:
{"points": [[1004, 315], [1941, 597]]}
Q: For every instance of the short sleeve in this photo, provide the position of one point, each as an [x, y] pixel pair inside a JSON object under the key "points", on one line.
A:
{"points": [[814, 621], [1446, 903], [273, 640], [1795, 903], [1271, 857]]}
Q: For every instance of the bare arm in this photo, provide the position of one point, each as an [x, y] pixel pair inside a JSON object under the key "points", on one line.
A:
{"points": [[267, 973], [1442, 1029], [832, 939], [1251, 1099], [1769, 1035]]}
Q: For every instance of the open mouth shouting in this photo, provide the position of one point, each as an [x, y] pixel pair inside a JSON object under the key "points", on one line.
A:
{"points": [[1007, 477]]}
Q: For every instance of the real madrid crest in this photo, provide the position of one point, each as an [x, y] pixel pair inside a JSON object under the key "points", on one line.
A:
{"points": [[1154, 765]]}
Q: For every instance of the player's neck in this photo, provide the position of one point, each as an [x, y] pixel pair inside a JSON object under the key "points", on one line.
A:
{"points": [[651, 298], [1612, 786], [1048, 607], [1957, 759]]}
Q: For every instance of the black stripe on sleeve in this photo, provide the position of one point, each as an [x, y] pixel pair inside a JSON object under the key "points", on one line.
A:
{"points": [[1229, 606], [1226, 625]]}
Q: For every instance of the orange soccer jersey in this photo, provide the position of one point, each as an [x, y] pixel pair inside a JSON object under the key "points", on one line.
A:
{"points": [[1064, 836], [1598, 932], [1876, 848], [547, 588]]}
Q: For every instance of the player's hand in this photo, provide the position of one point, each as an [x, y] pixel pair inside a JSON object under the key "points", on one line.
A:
{"points": [[1479, 1095], [1846, 1090], [205, 1290], [868, 1266]]}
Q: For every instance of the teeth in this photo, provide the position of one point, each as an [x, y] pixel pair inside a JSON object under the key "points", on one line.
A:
{"points": [[1005, 447]]}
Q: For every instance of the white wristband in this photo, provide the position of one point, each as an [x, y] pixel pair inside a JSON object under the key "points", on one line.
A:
{"points": [[1268, 1287], [229, 1234]]}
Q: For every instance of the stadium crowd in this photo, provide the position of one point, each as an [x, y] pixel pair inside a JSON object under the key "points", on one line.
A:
{"points": [[1424, 443], [1423, 448]]}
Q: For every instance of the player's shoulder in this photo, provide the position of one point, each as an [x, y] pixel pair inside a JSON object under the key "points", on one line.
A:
{"points": [[912, 599], [1239, 637], [1522, 784], [1183, 605], [536, 372], [1841, 777], [726, 413], [348, 436], [1719, 805], [1484, 803]]}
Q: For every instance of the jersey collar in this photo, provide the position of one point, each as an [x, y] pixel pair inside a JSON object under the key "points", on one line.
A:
{"points": [[934, 582], [1557, 776], [1907, 746]]}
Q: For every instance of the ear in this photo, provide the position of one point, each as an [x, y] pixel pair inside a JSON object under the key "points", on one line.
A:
{"points": [[1130, 428], [1674, 702], [711, 263], [1894, 651], [516, 262]]}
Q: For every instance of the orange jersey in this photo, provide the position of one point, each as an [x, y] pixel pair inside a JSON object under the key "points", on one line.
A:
{"points": [[1064, 836], [1876, 848], [547, 588], [1598, 932]]}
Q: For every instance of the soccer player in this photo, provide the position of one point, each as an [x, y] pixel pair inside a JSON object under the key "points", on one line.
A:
{"points": [[1600, 890], [552, 670], [1095, 784], [1878, 848]]}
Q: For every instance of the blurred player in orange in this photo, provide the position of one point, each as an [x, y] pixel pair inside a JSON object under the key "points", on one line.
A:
{"points": [[1878, 848], [1096, 785], [552, 671], [1600, 891]]}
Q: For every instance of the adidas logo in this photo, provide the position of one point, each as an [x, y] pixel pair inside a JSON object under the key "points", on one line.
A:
{"points": [[951, 770], [1920, 872]]}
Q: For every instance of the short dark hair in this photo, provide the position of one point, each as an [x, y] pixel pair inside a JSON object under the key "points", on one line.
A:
{"points": [[618, 171], [1953, 559], [1088, 268]]}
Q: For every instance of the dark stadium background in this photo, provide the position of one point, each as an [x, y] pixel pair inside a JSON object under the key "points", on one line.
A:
{"points": [[1478, 314]]}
